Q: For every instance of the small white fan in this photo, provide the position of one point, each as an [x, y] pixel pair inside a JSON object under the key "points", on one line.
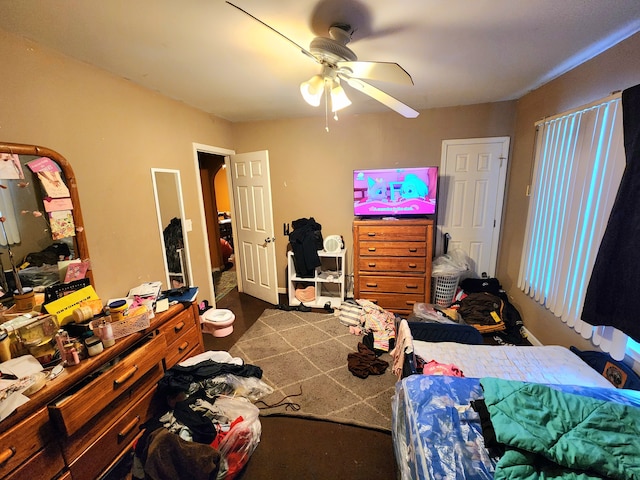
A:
{"points": [[333, 244]]}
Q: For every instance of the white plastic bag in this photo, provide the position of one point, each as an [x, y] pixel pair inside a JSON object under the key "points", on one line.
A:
{"points": [[228, 384], [237, 445], [455, 262]]}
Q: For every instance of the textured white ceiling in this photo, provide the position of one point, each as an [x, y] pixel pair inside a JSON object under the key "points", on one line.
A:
{"points": [[211, 56]]}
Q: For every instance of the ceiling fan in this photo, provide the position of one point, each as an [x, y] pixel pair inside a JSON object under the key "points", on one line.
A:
{"points": [[340, 63]]}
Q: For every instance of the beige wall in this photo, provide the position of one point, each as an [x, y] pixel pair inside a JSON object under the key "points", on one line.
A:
{"points": [[312, 170], [616, 69], [112, 132]]}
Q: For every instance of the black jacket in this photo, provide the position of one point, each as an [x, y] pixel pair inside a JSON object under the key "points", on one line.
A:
{"points": [[306, 240]]}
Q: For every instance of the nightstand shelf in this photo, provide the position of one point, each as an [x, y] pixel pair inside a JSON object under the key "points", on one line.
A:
{"points": [[328, 281]]}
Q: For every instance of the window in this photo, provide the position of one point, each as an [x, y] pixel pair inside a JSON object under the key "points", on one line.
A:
{"points": [[579, 161]]}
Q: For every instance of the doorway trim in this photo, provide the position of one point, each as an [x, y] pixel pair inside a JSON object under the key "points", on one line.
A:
{"points": [[224, 152]]}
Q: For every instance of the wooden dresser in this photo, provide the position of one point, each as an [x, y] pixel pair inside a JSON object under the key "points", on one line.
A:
{"points": [[85, 420], [392, 262]]}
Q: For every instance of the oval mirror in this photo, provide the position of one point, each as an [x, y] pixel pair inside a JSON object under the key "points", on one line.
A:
{"points": [[42, 217]]}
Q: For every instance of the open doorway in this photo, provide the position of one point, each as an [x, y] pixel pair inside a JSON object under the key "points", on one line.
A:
{"points": [[218, 212]]}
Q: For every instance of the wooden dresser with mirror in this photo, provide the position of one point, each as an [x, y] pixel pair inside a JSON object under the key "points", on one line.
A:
{"points": [[85, 420]]}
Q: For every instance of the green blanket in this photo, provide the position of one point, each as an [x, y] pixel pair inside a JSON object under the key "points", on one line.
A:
{"points": [[550, 434]]}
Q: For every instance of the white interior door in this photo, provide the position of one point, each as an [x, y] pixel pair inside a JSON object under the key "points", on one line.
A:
{"points": [[472, 183], [253, 224]]}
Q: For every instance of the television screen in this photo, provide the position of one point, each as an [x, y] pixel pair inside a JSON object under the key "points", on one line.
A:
{"points": [[395, 192]]}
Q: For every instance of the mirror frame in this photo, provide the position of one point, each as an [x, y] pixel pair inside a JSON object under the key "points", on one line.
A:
{"points": [[82, 251], [187, 257]]}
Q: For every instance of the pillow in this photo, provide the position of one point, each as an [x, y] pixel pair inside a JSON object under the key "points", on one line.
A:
{"points": [[619, 374]]}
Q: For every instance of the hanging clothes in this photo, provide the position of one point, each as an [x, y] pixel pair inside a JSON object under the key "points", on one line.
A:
{"points": [[173, 242], [306, 240], [616, 272]]}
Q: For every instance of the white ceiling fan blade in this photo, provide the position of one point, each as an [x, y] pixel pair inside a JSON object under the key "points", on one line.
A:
{"points": [[302, 49], [382, 97], [383, 71]]}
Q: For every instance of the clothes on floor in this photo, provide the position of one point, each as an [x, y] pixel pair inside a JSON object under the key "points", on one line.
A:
{"points": [[380, 322], [179, 377], [208, 415], [349, 314], [166, 455], [365, 362]]}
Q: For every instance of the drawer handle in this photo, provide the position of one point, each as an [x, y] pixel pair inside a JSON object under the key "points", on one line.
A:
{"points": [[372, 249], [128, 427], [7, 454], [413, 265], [410, 302], [183, 347], [178, 327], [413, 250], [372, 285], [371, 234], [371, 264], [118, 382], [411, 287]]}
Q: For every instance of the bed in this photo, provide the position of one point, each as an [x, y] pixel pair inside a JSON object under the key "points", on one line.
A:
{"points": [[437, 421]]}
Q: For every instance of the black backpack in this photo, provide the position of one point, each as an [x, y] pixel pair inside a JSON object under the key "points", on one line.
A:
{"points": [[483, 310]]}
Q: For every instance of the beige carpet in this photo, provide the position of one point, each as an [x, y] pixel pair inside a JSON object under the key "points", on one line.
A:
{"points": [[309, 351], [224, 282]]}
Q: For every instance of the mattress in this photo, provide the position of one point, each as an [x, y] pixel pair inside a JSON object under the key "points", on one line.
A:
{"points": [[545, 364], [437, 434]]}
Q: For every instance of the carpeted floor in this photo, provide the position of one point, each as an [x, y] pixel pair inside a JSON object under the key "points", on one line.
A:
{"points": [[224, 282], [304, 357]]}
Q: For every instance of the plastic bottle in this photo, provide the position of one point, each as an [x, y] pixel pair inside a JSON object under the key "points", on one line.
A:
{"points": [[62, 338], [106, 334], [71, 354]]}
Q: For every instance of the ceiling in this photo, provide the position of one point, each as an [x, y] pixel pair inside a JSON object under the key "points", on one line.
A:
{"points": [[210, 55]]}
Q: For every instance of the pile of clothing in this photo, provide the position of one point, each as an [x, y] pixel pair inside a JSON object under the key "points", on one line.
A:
{"points": [[377, 326], [483, 304], [209, 428]]}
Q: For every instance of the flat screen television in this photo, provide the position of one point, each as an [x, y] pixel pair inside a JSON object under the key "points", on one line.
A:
{"points": [[395, 192]]}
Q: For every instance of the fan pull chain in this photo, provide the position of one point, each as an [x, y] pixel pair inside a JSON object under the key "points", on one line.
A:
{"points": [[327, 92]]}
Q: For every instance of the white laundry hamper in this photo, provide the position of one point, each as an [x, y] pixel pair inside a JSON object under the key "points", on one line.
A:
{"points": [[217, 322]]}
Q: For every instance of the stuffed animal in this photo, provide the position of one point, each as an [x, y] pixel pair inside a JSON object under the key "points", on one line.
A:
{"points": [[377, 189], [413, 187]]}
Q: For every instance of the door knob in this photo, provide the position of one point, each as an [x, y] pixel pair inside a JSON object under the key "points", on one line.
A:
{"points": [[447, 237], [268, 240]]}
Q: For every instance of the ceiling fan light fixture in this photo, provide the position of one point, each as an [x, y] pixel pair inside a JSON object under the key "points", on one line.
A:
{"points": [[312, 90], [339, 99]]}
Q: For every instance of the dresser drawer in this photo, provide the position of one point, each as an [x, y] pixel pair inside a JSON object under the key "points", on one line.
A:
{"points": [[100, 454], [184, 345], [395, 249], [390, 264], [177, 326], [73, 446], [389, 284], [72, 411], [24, 440], [44, 465], [393, 232], [399, 303]]}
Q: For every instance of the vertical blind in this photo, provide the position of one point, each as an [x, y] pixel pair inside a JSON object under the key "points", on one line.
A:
{"points": [[579, 161]]}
